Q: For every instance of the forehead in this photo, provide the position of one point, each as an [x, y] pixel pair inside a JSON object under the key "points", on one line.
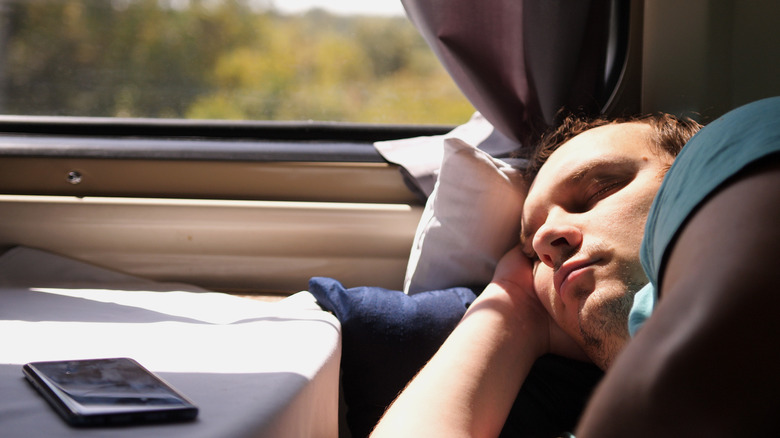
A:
{"points": [[611, 143]]}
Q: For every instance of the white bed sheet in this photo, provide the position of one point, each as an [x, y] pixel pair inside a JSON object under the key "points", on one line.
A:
{"points": [[253, 368]]}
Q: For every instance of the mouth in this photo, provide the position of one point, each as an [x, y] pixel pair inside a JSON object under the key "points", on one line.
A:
{"points": [[568, 272]]}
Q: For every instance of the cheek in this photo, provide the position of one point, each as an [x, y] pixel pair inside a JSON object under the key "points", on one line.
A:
{"points": [[643, 197], [565, 318], [625, 223], [624, 227]]}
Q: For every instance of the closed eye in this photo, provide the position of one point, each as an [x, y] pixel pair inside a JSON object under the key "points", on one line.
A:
{"points": [[602, 188], [603, 191], [596, 180]]}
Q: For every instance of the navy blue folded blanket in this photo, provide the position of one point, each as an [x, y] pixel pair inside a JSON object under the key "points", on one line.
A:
{"points": [[387, 336]]}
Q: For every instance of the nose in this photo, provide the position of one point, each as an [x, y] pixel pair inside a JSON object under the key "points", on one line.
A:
{"points": [[554, 243]]}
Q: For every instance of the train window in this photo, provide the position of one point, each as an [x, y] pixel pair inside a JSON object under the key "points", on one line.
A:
{"points": [[298, 60]]}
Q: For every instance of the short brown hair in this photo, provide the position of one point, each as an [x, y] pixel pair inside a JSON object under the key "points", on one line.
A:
{"points": [[670, 133]]}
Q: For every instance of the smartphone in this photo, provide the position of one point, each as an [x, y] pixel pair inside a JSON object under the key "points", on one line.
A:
{"points": [[105, 392]]}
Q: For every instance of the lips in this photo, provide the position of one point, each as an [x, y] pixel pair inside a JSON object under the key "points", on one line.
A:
{"points": [[570, 269]]}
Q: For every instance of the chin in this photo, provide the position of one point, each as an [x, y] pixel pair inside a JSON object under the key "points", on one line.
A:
{"points": [[603, 352], [603, 325]]}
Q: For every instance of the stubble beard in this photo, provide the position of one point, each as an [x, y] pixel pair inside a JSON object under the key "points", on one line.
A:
{"points": [[604, 329]]}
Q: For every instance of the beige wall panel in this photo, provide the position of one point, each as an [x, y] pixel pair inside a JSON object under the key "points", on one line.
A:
{"points": [[251, 246]]}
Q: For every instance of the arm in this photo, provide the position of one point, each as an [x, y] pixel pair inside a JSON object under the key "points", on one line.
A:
{"points": [[706, 363], [468, 387]]}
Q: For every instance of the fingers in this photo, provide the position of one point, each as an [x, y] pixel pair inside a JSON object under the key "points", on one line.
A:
{"points": [[515, 268], [515, 273]]}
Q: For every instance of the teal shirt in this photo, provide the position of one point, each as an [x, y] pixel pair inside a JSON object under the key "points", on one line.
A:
{"points": [[644, 303], [719, 151]]}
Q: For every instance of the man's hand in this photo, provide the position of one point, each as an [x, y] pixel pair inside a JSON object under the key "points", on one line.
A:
{"points": [[514, 275], [515, 271], [470, 384]]}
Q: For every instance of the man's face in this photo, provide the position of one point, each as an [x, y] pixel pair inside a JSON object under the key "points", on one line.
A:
{"points": [[584, 219]]}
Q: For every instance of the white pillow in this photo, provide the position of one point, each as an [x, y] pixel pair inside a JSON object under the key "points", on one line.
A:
{"points": [[421, 157], [471, 219]]}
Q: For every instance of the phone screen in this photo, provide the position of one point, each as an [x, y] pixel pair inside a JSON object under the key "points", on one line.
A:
{"points": [[107, 391]]}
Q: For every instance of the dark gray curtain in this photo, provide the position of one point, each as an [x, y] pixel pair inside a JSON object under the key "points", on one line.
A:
{"points": [[521, 61]]}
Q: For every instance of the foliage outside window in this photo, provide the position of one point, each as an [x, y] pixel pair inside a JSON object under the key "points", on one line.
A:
{"points": [[218, 59]]}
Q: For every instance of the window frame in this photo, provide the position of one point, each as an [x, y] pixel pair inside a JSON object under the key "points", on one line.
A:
{"points": [[243, 207], [331, 161]]}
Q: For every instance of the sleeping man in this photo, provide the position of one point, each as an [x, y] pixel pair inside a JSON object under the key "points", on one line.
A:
{"points": [[614, 229]]}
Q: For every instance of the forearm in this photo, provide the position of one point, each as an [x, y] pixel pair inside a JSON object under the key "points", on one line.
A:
{"points": [[468, 387]]}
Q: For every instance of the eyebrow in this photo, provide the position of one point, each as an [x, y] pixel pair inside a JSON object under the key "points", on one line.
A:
{"points": [[583, 171]]}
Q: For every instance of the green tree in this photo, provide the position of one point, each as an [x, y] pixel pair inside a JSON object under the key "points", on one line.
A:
{"points": [[229, 59], [131, 58], [364, 69]]}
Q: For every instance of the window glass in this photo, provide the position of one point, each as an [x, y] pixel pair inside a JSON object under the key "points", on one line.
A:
{"points": [[222, 59]]}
